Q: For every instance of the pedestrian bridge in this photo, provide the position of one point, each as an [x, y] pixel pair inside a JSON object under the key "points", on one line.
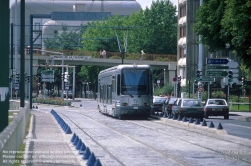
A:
{"points": [[169, 67]]}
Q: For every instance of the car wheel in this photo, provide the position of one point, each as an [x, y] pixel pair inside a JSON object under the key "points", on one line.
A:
{"points": [[226, 116], [206, 116]]}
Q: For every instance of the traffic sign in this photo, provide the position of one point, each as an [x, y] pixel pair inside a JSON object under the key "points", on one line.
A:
{"points": [[201, 89], [216, 73], [216, 61], [217, 67], [232, 64], [235, 75], [235, 70], [206, 79]]}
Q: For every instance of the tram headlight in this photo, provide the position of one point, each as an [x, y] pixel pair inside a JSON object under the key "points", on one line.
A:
{"points": [[146, 104], [124, 104]]}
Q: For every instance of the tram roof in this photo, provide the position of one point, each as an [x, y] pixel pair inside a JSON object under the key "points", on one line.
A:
{"points": [[124, 66]]}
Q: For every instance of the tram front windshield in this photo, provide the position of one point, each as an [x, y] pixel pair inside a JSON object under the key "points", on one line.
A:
{"points": [[135, 82]]}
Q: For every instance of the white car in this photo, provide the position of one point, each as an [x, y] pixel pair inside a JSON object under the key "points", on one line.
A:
{"points": [[216, 107]]}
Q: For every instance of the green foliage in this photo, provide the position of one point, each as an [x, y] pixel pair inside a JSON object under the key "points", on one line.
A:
{"points": [[154, 30], [165, 90], [64, 40], [90, 73], [52, 100], [220, 22]]}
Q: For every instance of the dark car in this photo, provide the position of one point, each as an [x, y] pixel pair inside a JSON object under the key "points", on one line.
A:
{"points": [[216, 107], [188, 108], [68, 93], [168, 104], [158, 103]]}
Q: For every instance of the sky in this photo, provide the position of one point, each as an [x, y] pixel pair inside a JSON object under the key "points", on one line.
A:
{"points": [[143, 3], [148, 3]]}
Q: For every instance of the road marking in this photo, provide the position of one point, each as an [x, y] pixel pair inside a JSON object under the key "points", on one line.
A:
{"points": [[238, 125]]}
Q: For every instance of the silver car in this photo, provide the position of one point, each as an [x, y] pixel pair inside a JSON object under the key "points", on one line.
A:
{"points": [[216, 107], [188, 108]]}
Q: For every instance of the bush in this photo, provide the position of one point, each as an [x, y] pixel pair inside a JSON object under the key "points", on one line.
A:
{"points": [[52, 100]]}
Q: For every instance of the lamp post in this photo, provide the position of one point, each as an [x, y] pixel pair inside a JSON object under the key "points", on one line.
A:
{"points": [[227, 88]]}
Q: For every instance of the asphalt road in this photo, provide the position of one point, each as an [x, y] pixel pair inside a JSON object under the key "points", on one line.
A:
{"points": [[233, 126]]}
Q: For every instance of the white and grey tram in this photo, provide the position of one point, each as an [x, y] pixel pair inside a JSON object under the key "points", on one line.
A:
{"points": [[125, 90]]}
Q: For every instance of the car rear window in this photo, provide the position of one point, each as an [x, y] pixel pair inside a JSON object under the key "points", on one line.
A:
{"points": [[191, 103], [159, 99], [216, 102], [172, 100]]}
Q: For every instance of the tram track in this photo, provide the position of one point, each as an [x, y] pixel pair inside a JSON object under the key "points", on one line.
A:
{"points": [[196, 144], [165, 154]]}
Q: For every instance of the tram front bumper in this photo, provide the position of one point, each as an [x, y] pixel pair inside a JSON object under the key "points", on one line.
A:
{"points": [[131, 110]]}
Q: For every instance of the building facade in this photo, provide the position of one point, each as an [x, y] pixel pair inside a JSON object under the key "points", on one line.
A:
{"points": [[188, 55]]}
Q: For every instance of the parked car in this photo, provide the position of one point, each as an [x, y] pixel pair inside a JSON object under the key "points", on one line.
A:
{"points": [[216, 107], [168, 104], [69, 94], [189, 108], [158, 103]]}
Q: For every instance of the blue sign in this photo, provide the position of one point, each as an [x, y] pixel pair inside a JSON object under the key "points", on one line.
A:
{"points": [[216, 60]]}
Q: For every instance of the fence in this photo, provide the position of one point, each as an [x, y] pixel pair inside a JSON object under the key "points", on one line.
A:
{"points": [[12, 136]]}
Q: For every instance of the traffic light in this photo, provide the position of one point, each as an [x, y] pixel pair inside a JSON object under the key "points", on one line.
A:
{"points": [[243, 80], [198, 74], [179, 79], [28, 78], [17, 77], [66, 77], [230, 76]]}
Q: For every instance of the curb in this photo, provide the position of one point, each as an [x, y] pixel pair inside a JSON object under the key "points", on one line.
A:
{"points": [[193, 126]]}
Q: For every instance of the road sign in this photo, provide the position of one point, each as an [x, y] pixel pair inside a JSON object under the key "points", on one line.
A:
{"points": [[216, 61], [217, 67], [47, 75], [66, 86], [201, 89], [16, 86], [232, 64], [216, 73], [206, 79], [235, 75], [235, 70], [175, 80]]}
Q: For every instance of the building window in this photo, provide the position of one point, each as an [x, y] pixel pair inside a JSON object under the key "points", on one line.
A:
{"points": [[182, 31], [181, 52], [182, 11], [37, 28]]}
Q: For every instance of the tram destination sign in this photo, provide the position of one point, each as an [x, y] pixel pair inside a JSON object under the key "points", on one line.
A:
{"points": [[216, 73]]}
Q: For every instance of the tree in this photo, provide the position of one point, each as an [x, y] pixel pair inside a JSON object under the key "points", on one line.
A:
{"points": [[64, 40], [219, 22], [154, 30]]}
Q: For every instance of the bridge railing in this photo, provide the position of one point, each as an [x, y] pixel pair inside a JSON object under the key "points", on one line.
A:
{"points": [[12, 136], [111, 55]]}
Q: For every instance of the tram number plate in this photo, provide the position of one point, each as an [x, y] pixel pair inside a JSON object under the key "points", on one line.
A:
{"points": [[135, 107]]}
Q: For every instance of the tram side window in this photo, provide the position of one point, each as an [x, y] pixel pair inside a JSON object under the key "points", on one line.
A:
{"points": [[113, 84], [118, 84]]}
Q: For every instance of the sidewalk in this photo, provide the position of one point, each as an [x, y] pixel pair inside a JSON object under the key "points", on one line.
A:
{"points": [[45, 145]]}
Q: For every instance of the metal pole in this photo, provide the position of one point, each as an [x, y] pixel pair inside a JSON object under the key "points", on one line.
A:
{"points": [[62, 93], [31, 59], [15, 33], [193, 89], [11, 64], [73, 84], [22, 44], [188, 88]]}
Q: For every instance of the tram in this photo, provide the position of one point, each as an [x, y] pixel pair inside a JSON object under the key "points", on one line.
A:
{"points": [[125, 90]]}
